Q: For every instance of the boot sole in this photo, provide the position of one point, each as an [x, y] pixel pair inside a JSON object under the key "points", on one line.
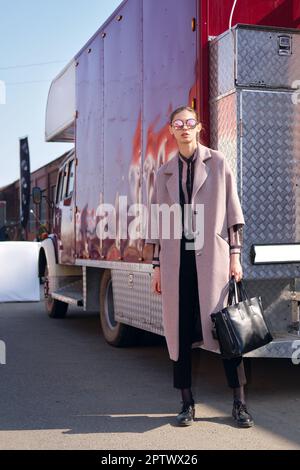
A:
{"points": [[244, 425], [189, 423]]}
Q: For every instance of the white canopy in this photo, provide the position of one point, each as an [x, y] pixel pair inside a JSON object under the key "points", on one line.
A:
{"points": [[60, 111]]}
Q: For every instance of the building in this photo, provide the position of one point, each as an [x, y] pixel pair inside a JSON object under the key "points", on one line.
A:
{"points": [[45, 178]]}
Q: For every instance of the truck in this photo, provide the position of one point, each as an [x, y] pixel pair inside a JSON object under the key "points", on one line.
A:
{"points": [[237, 63]]}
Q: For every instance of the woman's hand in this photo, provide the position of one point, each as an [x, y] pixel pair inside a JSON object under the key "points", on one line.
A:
{"points": [[235, 267], [156, 287]]}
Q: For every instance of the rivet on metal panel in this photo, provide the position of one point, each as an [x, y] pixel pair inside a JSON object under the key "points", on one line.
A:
{"points": [[76, 64], [119, 17], [194, 24], [89, 50], [103, 35]]}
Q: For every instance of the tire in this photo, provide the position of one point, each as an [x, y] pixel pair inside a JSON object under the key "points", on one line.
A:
{"points": [[54, 308], [115, 333]]}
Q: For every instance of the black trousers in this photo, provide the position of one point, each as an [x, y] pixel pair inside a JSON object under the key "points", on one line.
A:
{"points": [[190, 327]]}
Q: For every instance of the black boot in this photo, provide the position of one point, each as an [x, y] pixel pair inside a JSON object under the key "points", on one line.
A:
{"points": [[241, 415], [187, 414]]}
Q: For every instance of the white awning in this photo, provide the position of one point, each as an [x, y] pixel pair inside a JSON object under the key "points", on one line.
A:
{"points": [[60, 111]]}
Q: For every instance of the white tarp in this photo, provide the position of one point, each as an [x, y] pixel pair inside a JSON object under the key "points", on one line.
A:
{"points": [[60, 111], [19, 279]]}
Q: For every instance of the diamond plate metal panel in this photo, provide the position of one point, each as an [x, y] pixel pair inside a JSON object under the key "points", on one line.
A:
{"points": [[270, 167], [134, 303], [221, 65], [258, 61], [259, 133], [223, 120], [281, 347], [276, 301], [247, 55], [258, 130]]}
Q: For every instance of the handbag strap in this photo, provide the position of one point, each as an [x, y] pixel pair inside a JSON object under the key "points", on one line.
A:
{"points": [[233, 295], [242, 290]]}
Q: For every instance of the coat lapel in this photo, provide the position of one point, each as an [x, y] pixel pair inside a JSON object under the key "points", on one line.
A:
{"points": [[200, 174], [201, 169]]}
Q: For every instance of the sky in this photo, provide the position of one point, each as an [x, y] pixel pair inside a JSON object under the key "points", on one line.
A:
{"points": [[48, 33]]}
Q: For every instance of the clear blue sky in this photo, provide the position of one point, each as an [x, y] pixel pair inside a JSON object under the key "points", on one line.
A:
{"points": [[35, 31]]}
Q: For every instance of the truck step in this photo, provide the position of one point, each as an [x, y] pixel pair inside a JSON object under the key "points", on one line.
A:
{"points": [[70, 293], [284, 345]]}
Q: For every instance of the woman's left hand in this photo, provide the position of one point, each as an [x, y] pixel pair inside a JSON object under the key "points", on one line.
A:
{"points": [[235, 267]]}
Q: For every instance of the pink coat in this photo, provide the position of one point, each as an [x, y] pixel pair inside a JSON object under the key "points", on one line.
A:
{"points": [[215, 187]]}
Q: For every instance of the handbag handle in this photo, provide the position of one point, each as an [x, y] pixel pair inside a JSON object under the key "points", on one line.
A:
{"points": [[233, 292], [244, 296], [242, 290], [237, 291]]}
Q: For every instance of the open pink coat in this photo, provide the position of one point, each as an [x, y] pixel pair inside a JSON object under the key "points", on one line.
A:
{"points": [[215, 187]]}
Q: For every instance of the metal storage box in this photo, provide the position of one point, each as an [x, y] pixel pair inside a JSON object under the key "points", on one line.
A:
{"points": [[255, 122], [249, 55]]}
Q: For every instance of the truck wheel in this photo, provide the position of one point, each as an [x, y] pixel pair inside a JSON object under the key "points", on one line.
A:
{"points": [[54, 308], [114, 332]]}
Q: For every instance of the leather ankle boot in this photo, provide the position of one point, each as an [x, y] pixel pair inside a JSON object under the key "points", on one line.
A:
{"points": [[241, 415], [187, 414]]}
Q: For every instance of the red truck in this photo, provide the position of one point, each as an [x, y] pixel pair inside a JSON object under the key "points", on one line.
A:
{"points": [[238, 64]]}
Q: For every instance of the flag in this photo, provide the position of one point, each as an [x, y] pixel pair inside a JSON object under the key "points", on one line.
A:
{"points": [[24, 182]]}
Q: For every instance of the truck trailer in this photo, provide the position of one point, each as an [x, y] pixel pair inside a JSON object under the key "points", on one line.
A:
{"points": [[237, 63]]}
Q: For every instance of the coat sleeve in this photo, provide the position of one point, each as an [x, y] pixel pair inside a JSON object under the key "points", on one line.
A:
{"points": [[233, 205], [235, 234], [152, 226]]}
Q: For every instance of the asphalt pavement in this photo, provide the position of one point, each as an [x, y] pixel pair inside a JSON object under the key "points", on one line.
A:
{"points": [[64, 387]]}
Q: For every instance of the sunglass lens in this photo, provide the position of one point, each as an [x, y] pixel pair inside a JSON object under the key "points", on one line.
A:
{"points": [[178, 124], [191, 123]]}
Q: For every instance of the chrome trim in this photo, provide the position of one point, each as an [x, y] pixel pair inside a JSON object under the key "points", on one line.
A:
{"points": [[122, 265]]}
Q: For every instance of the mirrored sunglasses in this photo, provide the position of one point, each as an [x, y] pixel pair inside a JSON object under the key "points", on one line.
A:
{"points": [[190, 123]]}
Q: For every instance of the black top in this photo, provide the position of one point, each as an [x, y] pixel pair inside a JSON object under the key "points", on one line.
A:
{"points": [[186, 189]]}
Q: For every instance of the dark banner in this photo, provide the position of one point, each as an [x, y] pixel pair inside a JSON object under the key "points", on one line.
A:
{"points": [[24, 182]]}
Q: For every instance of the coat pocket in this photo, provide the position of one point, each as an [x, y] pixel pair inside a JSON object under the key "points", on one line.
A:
{"points": [[224, 238]]}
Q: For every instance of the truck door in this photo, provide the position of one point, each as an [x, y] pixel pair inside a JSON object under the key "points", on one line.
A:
{"points": [[64, 222]]}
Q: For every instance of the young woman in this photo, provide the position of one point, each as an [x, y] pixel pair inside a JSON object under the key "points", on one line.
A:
{"points": [[194, 281]]}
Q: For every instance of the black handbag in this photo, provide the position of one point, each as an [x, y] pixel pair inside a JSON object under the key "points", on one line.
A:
{"points": [[240, 327]]}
